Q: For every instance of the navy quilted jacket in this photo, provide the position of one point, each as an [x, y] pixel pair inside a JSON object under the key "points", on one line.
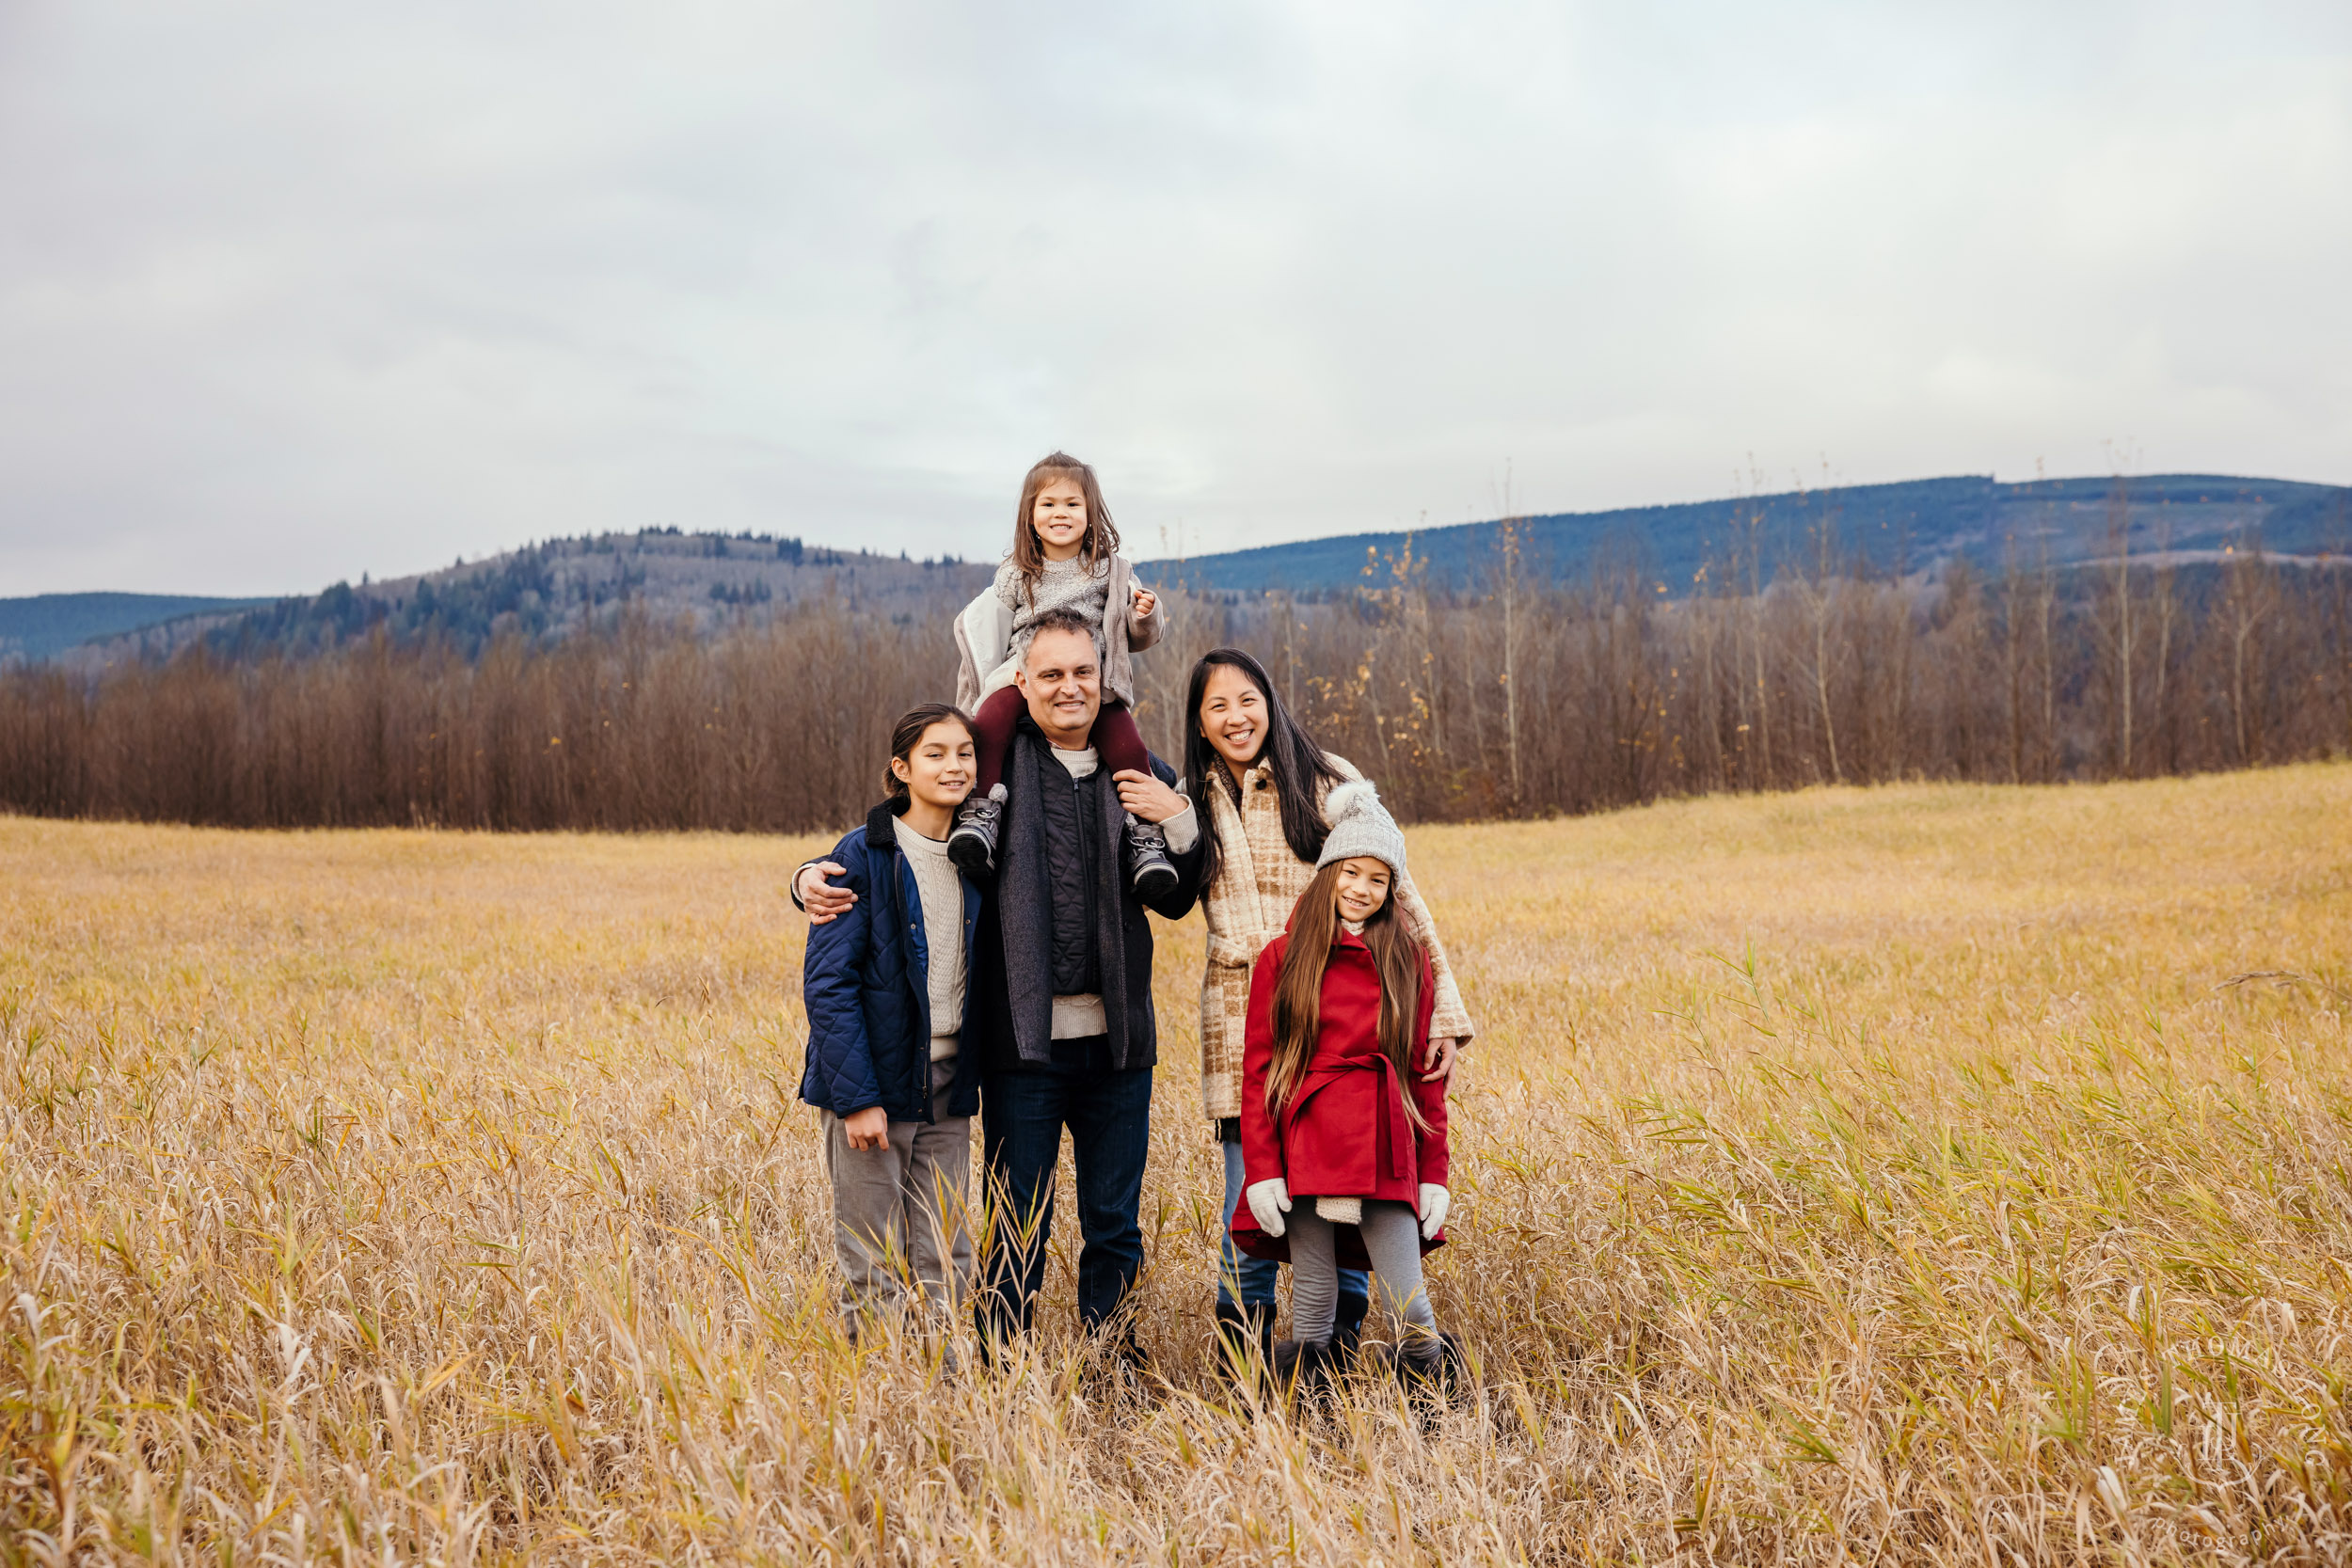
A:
{"points": [[865, 982]]}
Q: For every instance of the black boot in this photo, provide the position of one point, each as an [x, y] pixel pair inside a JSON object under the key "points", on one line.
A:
{"points": [[1244, 1330], [1121, 1366], [973, 845], [1302, 1372], [1347, 1329], [1433, 1372], [1149, 868]]}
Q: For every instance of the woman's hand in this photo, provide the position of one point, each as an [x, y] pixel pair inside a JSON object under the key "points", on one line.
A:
{"points": [[1435, 1201], [1145, 796], [871, 1129], [1269, 1201], [1440, 1059], [823, 902], [1146, 602]]}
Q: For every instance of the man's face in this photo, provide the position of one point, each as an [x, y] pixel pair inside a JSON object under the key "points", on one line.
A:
{"points": [[1062, 678]]}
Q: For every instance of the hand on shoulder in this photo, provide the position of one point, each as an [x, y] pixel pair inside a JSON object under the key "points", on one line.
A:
{"points": [[823, 902]]}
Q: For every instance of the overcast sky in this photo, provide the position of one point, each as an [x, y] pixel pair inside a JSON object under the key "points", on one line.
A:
{"points": [[291, 292]]}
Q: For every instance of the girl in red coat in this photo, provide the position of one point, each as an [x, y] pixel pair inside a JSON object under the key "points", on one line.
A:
{"points": [[1343, 1146]]}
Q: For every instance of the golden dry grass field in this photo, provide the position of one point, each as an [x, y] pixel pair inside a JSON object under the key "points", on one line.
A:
{"points": [[1889, 1175]]}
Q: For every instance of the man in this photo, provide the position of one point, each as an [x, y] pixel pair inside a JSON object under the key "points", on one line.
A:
{"points": [[1061, 1001]]}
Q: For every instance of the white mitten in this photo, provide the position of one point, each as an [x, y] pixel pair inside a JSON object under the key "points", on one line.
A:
{"points": [[1435, 1201], [1269, 1201]]}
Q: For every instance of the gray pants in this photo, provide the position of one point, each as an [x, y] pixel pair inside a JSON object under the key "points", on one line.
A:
{"points": [[899, 1212], [1392, 1236]]}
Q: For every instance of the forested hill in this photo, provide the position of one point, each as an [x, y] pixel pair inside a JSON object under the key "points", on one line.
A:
{"points": [[710, 581], [1915, 526], [546, 591], [46, 623]]}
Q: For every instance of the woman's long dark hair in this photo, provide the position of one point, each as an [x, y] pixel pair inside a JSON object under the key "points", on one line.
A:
{"points": [[1302, 771]]}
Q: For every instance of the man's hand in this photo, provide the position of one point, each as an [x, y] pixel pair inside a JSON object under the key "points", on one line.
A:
{"points": [[1146, 602], [867, 1128], [1440, 1059], [825, 902], [1145, 796]]}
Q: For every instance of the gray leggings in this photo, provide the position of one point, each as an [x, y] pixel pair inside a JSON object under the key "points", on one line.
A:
{"points": [[1392, 1236]]}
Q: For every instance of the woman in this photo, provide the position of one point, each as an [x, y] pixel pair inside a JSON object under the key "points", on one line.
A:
{"points": [[1259, 785]]}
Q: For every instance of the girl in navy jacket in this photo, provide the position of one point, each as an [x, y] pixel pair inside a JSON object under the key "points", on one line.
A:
{"points": [[883, 986]]}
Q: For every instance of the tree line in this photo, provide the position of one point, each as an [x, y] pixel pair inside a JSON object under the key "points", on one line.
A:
{"points": [[1521, 697]]}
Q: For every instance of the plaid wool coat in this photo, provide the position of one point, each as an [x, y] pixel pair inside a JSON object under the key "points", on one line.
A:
{"points": [[1258, 880]]}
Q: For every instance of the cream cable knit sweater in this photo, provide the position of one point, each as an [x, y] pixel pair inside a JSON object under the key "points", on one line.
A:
{"points": [[940, 887]]}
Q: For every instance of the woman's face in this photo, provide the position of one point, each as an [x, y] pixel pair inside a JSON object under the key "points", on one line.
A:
{"points": [[938, 771], [1363, 887], [1232, 715]]}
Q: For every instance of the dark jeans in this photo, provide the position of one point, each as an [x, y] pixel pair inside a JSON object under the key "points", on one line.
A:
{"points": [[1022, 1117]]}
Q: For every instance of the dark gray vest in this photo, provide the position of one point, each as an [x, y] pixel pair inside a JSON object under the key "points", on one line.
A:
{"points": [[1073, 809]]}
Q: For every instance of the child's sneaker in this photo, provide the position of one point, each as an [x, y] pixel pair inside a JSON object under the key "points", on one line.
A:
{"points": [[973, 845], [1149, 870]]}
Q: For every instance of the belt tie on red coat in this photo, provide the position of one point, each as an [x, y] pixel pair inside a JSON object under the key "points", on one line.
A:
{"points": [[1392, 1105], [1400, 1151], [1401, 1140]]}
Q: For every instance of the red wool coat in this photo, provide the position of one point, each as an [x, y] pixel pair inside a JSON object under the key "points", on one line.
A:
{"points": [[1344, 1133]]}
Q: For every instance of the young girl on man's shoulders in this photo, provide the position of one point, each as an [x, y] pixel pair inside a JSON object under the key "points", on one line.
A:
{"points": [[1065, 556]]}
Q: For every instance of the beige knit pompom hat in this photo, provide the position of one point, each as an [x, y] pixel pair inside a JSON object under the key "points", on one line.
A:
{"points": [[1361, 825]]}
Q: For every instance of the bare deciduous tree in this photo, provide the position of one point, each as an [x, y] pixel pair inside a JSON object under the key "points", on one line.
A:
{"points": [[1523, 696]]}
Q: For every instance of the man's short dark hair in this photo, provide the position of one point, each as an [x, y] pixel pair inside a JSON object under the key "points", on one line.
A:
{"points": [[1059, 619]]}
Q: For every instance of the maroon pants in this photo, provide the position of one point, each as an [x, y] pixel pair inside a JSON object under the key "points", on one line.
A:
{"points": [[1115, 738]]}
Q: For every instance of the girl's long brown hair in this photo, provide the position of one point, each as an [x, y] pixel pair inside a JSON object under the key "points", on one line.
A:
{"points": [[1299, 988], [1100, 540]]}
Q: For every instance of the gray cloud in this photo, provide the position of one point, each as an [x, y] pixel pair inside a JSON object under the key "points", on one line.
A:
{"points": [[291, 292]]}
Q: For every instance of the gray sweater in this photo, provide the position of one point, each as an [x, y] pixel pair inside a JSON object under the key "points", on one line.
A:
{"points": [[985, 658], [1059, 585]]}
